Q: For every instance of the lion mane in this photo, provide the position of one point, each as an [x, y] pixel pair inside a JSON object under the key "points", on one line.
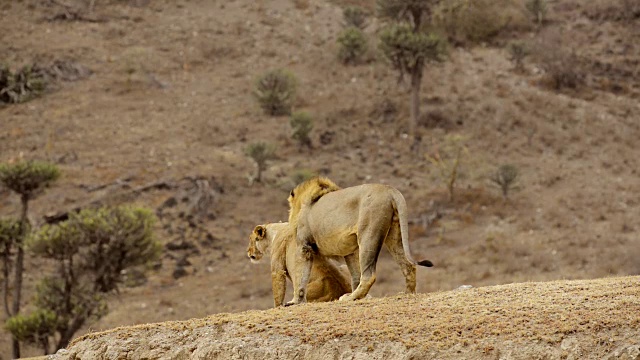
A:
{"points": [[307, 193]]}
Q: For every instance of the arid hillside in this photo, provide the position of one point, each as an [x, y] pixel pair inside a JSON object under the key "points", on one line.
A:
{"points": [[154, 106], [585, 319]]}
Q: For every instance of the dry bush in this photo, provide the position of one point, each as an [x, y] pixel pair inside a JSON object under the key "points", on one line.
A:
{"points": [[561, 64], [621, 10], [354, 16], [475, 21], [23, 85], [301, 4], [447, 160]]}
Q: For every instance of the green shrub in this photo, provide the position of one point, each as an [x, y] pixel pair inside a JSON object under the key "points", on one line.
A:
{"points": [[28, 177], [354, 16], [275, 92], [34, 328], [301, 124], [10, 231], [352, 45], [472, 21]]}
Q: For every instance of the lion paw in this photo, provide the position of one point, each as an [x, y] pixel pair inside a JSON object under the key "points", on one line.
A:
{"points": [[346, 297], [294, 302]]}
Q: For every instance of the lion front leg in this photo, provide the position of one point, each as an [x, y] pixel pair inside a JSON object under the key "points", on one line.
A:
{"points": [[278, 286], [304, 262], [278, 278]]}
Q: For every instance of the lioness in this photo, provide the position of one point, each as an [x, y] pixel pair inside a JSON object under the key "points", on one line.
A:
{"points": [[326, 283], [353, 223]]}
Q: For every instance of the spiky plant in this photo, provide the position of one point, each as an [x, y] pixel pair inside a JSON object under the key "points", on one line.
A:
{"points": [[275, 91]]}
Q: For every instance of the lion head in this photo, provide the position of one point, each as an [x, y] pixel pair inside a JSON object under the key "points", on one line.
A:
{"points": [[258, 244], [307, 193]]}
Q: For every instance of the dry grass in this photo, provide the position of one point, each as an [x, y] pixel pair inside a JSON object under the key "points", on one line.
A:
{"points": [[544, 312]]}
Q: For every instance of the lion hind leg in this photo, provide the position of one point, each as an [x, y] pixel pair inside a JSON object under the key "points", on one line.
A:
{"points": [[353, 264], [393, 244], [372, 236]]}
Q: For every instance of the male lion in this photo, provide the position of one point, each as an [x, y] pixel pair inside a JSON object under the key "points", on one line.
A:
{"points": [[352, 223], [327, 282]]}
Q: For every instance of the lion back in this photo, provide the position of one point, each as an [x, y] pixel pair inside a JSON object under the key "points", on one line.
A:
{"points": [[307, 193]]}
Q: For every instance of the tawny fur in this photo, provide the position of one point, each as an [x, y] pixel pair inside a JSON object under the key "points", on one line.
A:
{"points": [[327, 281], [353, 223]]}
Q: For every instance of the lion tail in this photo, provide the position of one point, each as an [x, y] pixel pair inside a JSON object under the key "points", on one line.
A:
{"points": [[401, 208]]}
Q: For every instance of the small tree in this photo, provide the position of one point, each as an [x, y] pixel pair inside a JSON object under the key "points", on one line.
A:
{"points": [[276, 91], [260, 152], [301, 124], [354, 16], [91, 249], [447, 160], [408, 46], [27, 179], [505, 177]]}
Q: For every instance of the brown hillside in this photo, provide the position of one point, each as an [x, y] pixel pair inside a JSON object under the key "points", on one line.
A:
{"points": [[588, 319], [167, 112]]}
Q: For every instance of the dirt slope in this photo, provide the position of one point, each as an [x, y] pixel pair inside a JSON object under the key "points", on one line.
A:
{"points": [[589, 319]]}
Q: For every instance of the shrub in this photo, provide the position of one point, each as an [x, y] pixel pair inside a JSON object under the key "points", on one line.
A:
{"points": [[473, 21], [537, 8], [301, 124], [353, 45], [23, 85], [260, 152], [10, 230], [505, 178], [561, 64], [354, 16], [302, 175], [518, 51], [275, 92]]}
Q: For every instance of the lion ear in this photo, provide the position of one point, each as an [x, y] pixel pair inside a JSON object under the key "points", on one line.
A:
{"points": [[291, 194], [261, 231]]}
